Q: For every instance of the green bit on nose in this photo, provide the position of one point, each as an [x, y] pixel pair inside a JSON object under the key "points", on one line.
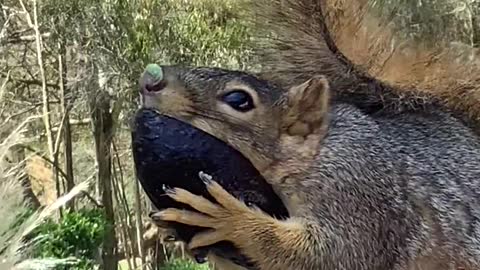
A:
{"points": [[155, 71]]}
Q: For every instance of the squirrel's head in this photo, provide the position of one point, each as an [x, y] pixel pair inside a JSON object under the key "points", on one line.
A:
{"points": [[257, 118]]}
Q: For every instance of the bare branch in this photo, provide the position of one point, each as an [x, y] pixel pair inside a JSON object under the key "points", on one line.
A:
{"points": [[38, 40], [27, 15], [4, 86], [20, 39], [92, 199], [36, 82]]}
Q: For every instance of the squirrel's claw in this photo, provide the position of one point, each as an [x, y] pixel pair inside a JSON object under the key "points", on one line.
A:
{"points": [[199, 203], [157, 221], [224, 218], [187, 217], [222, 196]]}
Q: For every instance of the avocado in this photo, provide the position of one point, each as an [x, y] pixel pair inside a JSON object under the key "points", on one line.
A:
{"points": [[170, 152]]}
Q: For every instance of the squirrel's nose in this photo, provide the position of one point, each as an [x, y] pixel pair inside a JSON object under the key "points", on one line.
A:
{"points": [[152, 79]]}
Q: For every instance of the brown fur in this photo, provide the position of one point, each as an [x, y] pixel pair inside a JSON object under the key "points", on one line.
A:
{"points": [[363, 192], [282, 160], [290, 162], [357, 53], [233, 221]]}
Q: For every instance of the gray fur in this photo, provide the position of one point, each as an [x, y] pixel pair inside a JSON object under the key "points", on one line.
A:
{"points": [[396, 181], [386, 189], [393, 188]]}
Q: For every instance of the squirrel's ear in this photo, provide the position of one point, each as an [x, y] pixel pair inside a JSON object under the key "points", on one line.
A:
{"points": [[306, 107]]}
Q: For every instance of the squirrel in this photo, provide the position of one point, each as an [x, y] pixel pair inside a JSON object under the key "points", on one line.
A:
{"points": [[378, 168]]}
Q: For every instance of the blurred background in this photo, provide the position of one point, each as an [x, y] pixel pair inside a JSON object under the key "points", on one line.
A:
{"points": [[68, 75]]}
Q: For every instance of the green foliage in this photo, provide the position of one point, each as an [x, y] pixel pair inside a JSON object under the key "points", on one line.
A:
{"points": [[206, 32], [78, 234], [119, 38], [179, 264]]}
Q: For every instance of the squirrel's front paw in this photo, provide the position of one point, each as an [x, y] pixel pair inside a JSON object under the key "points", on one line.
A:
{"points": [[228, 219]]}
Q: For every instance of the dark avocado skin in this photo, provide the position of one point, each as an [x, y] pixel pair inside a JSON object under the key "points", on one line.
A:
{"points": [[170, 152]]}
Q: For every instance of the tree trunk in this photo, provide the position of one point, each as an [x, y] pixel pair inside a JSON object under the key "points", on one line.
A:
{"points": [[67, 130], [102, 129], [68, 155]]}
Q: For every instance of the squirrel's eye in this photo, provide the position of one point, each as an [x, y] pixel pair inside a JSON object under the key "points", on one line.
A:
{"points": [[239, 100]]}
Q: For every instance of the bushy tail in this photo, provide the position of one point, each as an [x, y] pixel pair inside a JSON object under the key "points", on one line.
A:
{"points": [[365, 59]]}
